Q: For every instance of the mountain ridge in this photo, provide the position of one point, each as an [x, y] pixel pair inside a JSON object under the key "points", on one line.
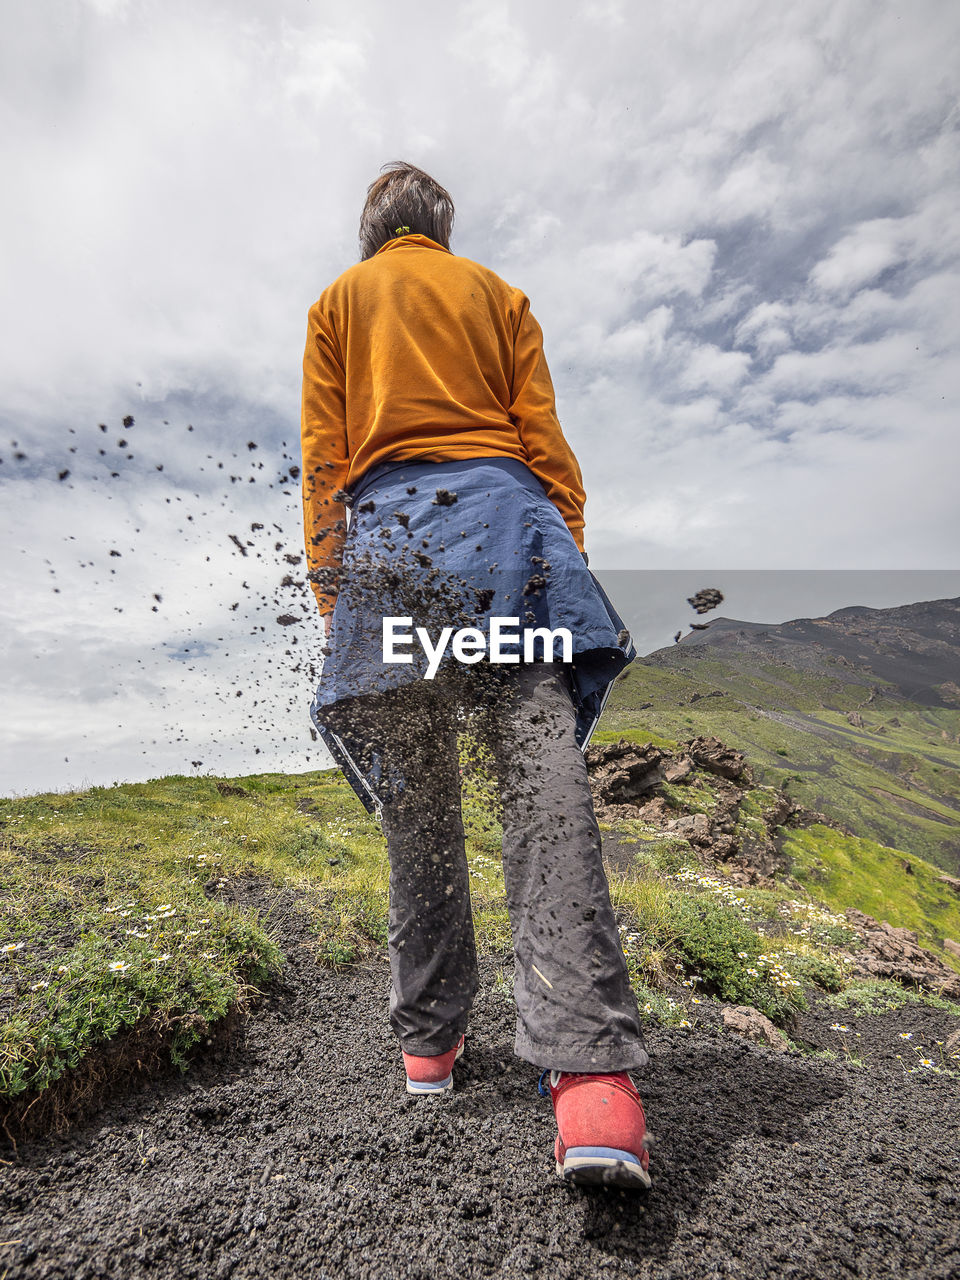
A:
{"points": [[858, 712]]}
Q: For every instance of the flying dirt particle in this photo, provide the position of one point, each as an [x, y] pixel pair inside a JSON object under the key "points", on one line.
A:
{"points": [[62, 475], [677, 636], [252, 444], [237, 543], [294, 472], [401, 517], [699, 626], [102, 426], [255, 526], [288, 620], [705, 600], [115, 553], [367, 508], [444, 498], [121, 444], [128, 422], [534, 584]]}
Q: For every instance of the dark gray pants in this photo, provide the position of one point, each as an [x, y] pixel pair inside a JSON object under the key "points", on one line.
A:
{"points": [[575, 1008]]}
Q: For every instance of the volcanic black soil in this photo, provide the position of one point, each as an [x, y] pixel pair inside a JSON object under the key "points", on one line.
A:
{"points": [[293, 1151]]}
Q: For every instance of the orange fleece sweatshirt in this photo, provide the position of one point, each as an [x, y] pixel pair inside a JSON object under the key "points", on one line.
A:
{"points": [[419, 353]]}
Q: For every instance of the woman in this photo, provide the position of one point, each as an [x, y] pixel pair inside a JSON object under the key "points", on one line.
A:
{"points": [[428, 409]]}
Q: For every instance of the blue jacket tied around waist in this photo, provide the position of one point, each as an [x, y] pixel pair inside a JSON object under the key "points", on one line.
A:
{"points": [[459, 543]]}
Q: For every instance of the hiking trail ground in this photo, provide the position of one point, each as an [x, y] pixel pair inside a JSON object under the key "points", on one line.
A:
{"points": [[290, 1149]]}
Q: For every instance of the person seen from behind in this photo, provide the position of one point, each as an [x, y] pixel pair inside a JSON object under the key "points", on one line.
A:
{"points": [[429, 413]]}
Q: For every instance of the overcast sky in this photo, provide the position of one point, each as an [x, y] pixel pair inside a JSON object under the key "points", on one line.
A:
{"points": [[736, 222]]}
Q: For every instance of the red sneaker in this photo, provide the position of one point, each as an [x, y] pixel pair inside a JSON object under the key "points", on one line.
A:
{"points": [[431, 1074], [602, 1134]]}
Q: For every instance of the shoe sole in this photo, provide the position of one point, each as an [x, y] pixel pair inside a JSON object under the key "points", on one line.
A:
{"points": [[421, 1088], [603, 1166]]}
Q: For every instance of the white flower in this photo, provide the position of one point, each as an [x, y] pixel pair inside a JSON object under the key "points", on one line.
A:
{"points": [[906, 1035], [118, 966], [10, 948], [838, 1026]]}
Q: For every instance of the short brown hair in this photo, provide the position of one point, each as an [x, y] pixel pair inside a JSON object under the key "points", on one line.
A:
{"points": [[404, 196]]}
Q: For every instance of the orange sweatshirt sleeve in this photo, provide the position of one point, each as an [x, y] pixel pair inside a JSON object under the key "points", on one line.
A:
{"points": [[533, 409], [325, 455]]}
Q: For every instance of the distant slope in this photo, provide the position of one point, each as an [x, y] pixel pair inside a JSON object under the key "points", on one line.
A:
{"points": [[861, 707], [915, 648]]}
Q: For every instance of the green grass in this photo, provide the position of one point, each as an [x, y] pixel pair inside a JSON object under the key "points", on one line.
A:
{"points": [[105, 924], [111, 918], [896, 780], [849, 871], [880, 995], [107, 920]]}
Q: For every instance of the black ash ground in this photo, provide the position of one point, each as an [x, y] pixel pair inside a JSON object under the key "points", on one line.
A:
{"points": [[295, 1152]]}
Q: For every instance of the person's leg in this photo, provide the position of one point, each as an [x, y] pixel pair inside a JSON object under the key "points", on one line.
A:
{"points": [[576, 1011], [430, 937]]}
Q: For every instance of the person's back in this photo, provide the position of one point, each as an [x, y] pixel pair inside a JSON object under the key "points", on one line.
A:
{"points": [[427, 341], [415, 352]]}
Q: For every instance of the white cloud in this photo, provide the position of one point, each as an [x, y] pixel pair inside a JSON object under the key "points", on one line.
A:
{"points": [[736, 224]]}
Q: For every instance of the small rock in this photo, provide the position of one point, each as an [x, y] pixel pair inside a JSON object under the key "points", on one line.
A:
{"points": [[714, 756], [746, 1021], [680, 770], [694, 827]]}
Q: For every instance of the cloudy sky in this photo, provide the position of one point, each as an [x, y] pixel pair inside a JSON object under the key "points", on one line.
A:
{"points": [[737, 225]]}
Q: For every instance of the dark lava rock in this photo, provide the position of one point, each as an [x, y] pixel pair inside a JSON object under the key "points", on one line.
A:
{"points": [[714, 756], [896, 953], [623, 772]]}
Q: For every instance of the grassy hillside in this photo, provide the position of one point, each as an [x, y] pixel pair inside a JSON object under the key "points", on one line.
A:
{"points": [[116, 911], [896, 779]]}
